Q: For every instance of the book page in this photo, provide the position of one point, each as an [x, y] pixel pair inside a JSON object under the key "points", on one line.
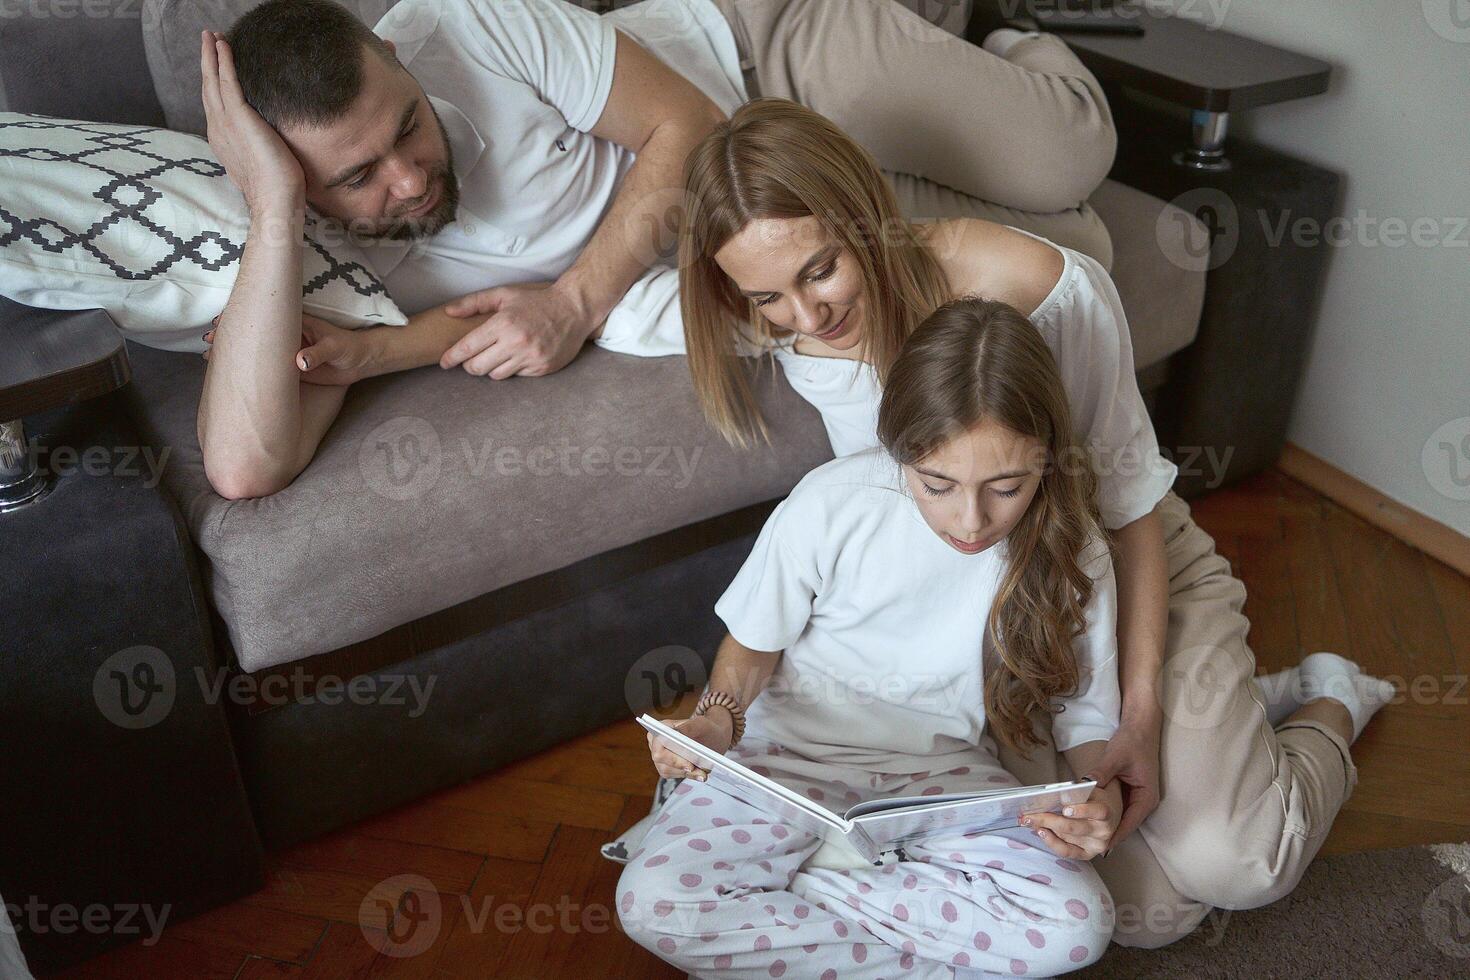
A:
{"points": [[888, 828]]}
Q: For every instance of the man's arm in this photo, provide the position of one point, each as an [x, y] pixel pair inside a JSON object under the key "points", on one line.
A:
{"points": [[258, 425], [660, 116]]}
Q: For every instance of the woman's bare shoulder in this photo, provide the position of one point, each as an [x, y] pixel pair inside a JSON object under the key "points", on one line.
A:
{"points": [[994, 261]]}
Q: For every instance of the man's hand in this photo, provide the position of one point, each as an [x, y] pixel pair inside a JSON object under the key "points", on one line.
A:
{"points": [[252, 153], [1132, 757], [329, 354], [533, 329]]}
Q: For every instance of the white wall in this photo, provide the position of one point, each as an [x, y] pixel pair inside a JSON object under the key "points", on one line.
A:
{"points": [[1390, 359]]}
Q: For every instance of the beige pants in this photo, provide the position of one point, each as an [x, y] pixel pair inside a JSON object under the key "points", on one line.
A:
{"points": [[1244, 808], [1022, 140]]}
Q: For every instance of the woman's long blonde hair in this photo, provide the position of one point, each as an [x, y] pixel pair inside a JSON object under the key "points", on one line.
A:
{"points": [[777, 159], [975, 360]]}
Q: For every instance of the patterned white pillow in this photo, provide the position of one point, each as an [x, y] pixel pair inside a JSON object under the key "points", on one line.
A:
{"points": [[144, 223]]}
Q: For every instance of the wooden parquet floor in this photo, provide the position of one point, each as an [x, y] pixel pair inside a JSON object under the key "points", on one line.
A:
{"points": [[511, 859]]}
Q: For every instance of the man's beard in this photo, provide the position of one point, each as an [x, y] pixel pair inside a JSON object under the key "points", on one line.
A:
{"points": [[404, 229], [431, 223]]}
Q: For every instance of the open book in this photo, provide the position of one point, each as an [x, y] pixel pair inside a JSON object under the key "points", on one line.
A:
{"points": [[878, 825]]}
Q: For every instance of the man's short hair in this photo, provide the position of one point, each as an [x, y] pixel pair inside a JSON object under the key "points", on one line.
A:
{"points": [[300, 61]]}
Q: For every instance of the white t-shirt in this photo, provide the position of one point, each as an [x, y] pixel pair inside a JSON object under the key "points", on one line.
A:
{"points": [[882, 625], [518, 84]]}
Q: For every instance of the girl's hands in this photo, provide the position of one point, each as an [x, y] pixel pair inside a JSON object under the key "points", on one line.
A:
{"points": [[715, 730], [1082, 831]]}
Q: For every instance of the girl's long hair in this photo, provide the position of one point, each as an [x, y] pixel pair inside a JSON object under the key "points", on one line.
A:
{"points": [[976, 360], [776, 159]]}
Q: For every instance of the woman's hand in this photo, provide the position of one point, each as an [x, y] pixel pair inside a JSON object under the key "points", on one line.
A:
{"points": [[1132, 758], [715, 730], [1082, 831]]}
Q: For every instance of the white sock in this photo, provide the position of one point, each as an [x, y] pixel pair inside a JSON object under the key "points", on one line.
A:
{"points": [[1326, 675], [1002, 39], [1282, 693]]}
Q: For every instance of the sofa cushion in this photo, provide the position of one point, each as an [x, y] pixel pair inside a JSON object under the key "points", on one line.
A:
{"points": [[433, 487], [145, 224], [1161, 294]]}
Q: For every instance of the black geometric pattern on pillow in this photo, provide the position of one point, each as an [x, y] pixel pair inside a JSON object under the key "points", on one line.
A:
{"points": [[129, 195]]}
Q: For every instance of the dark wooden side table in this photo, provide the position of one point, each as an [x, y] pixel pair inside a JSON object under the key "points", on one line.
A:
{"points": [[1224, 410], [59, 359]]}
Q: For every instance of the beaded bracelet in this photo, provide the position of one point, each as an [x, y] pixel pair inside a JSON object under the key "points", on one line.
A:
{"points": [[729, 703]]}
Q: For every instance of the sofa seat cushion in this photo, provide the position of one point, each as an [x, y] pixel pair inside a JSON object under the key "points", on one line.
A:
{"points": [[433, 487], [1157, 266]]}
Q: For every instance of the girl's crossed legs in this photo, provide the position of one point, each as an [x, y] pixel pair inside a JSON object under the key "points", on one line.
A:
{"points": [[718, 890]]}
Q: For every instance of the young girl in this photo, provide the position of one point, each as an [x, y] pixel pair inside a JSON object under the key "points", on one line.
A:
{"points": [[902, 609]]}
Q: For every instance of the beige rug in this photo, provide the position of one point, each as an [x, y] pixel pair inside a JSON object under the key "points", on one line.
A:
{"points": [[1389, 914]]}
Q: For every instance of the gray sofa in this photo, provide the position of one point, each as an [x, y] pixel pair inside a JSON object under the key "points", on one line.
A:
{"points": [[545, 552]]}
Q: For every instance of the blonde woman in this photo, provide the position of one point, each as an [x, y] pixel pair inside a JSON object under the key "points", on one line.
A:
{"points": [[794, 249]]}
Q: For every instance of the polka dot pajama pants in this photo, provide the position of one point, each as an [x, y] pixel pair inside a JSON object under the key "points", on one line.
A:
{"points": [[718, 888]]}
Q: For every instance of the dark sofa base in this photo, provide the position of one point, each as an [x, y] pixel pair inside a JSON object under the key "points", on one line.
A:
{"points": [[551, 661], [119, 788]]}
